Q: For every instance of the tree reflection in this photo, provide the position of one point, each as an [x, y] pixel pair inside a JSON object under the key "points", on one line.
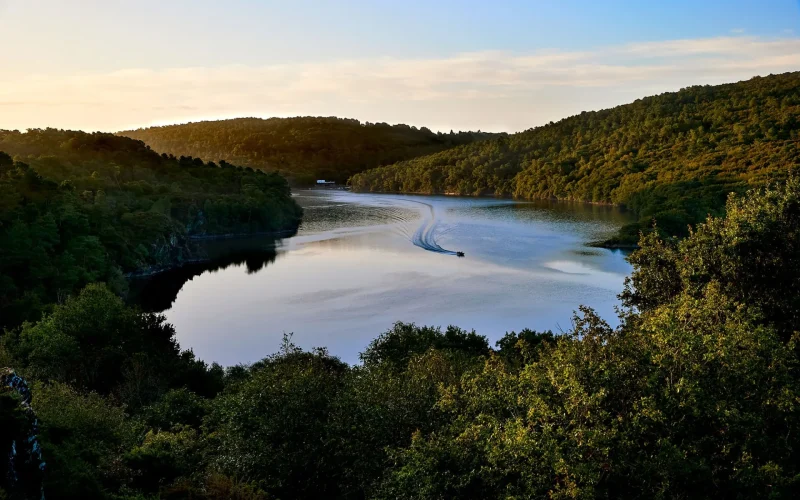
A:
{"points": [[157, 293]]}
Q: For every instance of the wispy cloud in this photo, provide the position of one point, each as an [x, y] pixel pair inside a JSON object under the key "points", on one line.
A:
{"points": [[488, 90]]}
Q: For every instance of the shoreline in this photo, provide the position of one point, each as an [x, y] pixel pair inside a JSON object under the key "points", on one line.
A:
{"points": [[497, 196], [231, 236], [155, 270], [613, 246]]}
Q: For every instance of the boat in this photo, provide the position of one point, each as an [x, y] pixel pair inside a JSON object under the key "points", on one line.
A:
{"points": [[460, 254]]}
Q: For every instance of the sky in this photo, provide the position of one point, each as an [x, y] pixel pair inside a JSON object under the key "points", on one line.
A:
{"points": [[500, 65]]}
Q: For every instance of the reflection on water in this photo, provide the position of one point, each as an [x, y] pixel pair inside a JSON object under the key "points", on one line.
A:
{"points": [[157, 293], [361, 262]]}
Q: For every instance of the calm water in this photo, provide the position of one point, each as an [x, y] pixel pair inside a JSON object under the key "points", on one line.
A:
{"points": [[360, 262]]}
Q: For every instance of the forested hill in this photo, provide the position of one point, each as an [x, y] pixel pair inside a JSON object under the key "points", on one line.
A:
{"points": [[303, 148], [673, 157], [77, 208]]}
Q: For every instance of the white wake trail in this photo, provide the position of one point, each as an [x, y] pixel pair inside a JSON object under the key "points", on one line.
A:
{"points": [[425, 235]]}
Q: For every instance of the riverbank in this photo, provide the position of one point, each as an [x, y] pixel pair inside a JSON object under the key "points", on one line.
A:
{"points": [[230, 236], [493, 195], [202, 253]]}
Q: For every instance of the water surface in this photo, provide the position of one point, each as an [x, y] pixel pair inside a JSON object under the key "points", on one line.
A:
{"points": [[362, 261]]}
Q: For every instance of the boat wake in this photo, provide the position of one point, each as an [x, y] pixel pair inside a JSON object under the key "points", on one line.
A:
{"points": [[425, 236], [400, 214]]}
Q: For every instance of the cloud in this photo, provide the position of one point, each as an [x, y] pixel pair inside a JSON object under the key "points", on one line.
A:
{"points": [[487, 90]]}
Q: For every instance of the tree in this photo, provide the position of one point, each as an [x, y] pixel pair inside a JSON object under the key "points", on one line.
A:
{"points": [[92, 339], [272, 429], [753, 254], [403, 341]]}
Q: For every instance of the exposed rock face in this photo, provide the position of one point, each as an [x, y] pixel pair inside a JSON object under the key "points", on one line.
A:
{"points": [[26, 466]]}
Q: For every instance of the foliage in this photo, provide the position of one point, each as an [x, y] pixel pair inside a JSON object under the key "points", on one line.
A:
{"points": [[404, 341], [78, 208], [302, 148], [693, 403], [673, 157], [519, 349], [178, 407], [105, 373], [95, 342], [751, 254], [382, 405], [81, 435], [694, 395], [162, 458], [272, 428]]}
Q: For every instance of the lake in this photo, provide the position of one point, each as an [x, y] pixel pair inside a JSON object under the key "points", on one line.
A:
{"points": [[361, 262]]}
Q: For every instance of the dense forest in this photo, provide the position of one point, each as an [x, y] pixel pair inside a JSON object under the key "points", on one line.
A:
{"points": [[78, 208], [694, 395], [672, 157], [303, 149]]}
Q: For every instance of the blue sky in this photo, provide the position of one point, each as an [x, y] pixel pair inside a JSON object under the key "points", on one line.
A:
{"points": [[113, 64]]}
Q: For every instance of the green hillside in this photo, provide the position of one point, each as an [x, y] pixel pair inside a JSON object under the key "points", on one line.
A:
{"points": [[76, 208], [673, 157], [302, 148]]}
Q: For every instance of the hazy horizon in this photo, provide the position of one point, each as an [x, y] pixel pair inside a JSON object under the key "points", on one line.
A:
{"points": [[244, 117], [107, 66]]}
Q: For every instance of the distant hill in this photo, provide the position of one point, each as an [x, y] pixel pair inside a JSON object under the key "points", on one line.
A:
{"points": [[673, 157], [303, 148]]}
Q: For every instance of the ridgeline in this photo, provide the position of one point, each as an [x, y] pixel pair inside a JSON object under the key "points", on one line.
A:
{"points": [[674, 157], [303, 149]]}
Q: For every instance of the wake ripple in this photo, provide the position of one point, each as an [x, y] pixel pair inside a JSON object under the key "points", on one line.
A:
{"points": [[402, 222], [425, 236]]}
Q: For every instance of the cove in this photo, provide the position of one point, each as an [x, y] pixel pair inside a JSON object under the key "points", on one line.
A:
{"points": [[360, 262]]}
